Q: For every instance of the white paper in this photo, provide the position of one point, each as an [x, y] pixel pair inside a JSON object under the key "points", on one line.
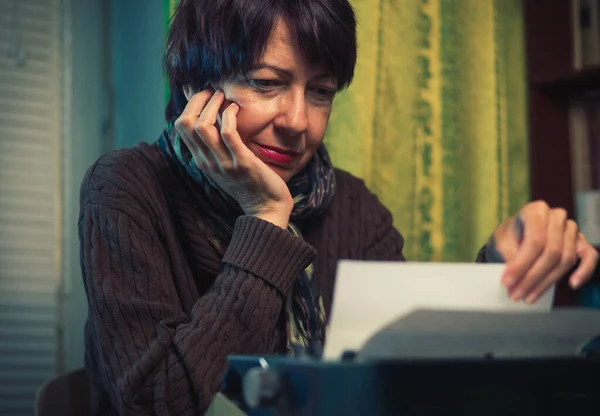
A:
{"points": [[370, 295]]}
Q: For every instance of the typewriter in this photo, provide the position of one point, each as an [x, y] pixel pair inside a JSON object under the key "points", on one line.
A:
{"points": [[434, 363]]}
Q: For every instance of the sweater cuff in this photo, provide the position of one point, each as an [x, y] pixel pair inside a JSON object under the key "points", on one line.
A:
{"points": [[268, 251], [491, 253]]}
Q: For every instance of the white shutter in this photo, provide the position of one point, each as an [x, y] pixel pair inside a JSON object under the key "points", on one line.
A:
{"points": [[30, 197]]}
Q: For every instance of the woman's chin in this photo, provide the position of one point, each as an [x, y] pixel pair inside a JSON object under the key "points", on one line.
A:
{"points": [[285, 174]]}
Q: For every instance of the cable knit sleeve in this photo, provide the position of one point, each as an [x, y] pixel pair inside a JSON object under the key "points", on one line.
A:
{"points": [[382, 240], [151, 357]]}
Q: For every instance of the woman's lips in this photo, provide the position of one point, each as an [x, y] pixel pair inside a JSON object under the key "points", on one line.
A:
{"points": [[278, 156]]}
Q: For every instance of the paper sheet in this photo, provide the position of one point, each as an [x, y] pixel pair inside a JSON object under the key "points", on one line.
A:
{"points": [[369, 295]]}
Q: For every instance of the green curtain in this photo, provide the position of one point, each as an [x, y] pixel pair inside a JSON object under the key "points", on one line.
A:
{"points": [[435, 120]]}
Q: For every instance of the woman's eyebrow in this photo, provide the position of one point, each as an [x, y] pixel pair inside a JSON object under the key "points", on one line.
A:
{"points": [[282, 71], [289, 73]]}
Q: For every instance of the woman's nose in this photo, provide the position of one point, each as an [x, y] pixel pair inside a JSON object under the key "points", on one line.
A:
{"points": [[292, 116]]}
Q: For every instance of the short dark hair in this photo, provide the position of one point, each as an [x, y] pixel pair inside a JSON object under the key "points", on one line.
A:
{"points": [[210, 40]]}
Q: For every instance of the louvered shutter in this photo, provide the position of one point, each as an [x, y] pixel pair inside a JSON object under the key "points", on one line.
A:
{"points": [[30, 197]]}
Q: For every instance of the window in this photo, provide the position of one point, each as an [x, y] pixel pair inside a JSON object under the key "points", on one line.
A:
{"points": [[30, 198]]}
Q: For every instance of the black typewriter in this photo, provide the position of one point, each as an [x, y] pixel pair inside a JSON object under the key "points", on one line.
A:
{"points": [[436, 363]]}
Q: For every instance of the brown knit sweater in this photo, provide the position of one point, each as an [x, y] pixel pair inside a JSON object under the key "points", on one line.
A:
{"points": [[165, 310]]}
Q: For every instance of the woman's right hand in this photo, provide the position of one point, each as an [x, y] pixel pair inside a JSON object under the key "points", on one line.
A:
{"points": [[221, 154]]}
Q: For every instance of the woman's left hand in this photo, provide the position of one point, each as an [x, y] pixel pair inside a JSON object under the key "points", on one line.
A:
{"points": [[541, 246]]}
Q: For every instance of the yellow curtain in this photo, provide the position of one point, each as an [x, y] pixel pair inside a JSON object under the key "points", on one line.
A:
{"points": [[435, 121]]}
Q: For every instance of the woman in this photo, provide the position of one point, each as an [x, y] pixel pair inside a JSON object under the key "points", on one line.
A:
{"points": [[222, 238]]}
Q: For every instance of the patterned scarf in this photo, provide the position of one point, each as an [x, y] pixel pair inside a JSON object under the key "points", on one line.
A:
{"points": [[311, 189]]}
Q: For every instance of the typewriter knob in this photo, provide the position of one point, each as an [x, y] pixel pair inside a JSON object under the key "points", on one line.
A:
{"points": [[261, 387]]}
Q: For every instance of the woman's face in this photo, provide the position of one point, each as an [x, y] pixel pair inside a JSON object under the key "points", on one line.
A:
{"points": [[285, 105]]}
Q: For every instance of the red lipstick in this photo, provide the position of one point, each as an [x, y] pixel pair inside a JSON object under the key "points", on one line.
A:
{"points": [[277, 155]]}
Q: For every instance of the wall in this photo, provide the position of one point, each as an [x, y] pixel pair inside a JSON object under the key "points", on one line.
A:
{"points": [[84, 143], [137, 40], [117, 43]]}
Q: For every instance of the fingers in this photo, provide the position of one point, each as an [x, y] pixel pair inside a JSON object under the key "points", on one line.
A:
{"points": [[535, 221], [550, 249], [187, 120], [197, 128], [589, 260], [199, 150], [230, 135], [506, 242], [548, 261], [567, 260], [207, 131]]}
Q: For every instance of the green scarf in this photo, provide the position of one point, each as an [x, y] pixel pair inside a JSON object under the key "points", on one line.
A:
{"points": [[311, 189]]}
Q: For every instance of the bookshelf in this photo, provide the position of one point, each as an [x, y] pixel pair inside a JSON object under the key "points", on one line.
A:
{"points": [[553, 84], [570, 82]]}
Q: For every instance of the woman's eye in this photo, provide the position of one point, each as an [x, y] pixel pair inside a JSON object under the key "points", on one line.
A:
{"points": [[324, 93], [263, 84]]}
